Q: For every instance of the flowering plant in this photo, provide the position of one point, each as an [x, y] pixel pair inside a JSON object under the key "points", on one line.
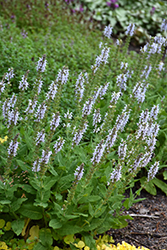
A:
{"points": [[68, 171]]}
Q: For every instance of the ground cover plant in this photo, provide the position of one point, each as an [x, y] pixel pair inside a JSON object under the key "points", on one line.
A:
{"points": [[64, 169], [147, 15]]}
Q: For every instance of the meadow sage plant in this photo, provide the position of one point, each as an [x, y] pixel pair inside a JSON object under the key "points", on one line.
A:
{"points": [[78, 162]]}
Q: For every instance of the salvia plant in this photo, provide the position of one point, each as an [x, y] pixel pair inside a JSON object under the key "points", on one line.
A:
{"points": [[66, 171]]}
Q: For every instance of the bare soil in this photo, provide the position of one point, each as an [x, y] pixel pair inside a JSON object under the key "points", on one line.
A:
{"points": [[149, 226]]}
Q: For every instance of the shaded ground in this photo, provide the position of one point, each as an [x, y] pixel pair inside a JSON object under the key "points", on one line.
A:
{"points": [[149, 227]]}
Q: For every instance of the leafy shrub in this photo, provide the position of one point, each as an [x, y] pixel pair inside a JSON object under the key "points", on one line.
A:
{"points": [[64, 169]]}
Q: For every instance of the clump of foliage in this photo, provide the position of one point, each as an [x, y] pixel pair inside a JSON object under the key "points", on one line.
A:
{"points": [[64, 169], [147, 15]]}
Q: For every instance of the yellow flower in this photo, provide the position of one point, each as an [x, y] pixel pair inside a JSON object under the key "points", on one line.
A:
{"points": [[3, 140]]}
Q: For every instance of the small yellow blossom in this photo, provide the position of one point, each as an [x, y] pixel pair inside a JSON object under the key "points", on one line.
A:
{"points": [[3, 140]]}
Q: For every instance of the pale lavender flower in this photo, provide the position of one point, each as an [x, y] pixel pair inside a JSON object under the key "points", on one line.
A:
{"points": [[121, 81], [117, 42], [52, 91], [160, 66], [41, 65], [55, 121], [40, 137], [9, 75], [63, 75], [154, 112], [108, 31], [101, 59], [24, 34], [98, 152], [122, 150], [130, 29], [164, 25], [146, 71], [103, 90], [122, 119], [12, 117], [115, 97], [124, 65], [31, 106], [13, 100], [87, 107], [45, 156], [6, 107], [96, 118], [111, 138], [36, 166], [68, 115], [2, 87], [79, 134], [100, 44], [136, 163], [146, 159], [79, 172], [116, 174], [139, 91], [79, 86], [23, 84], [58, 145], [13, 146], [40, 112], [153, 170]]}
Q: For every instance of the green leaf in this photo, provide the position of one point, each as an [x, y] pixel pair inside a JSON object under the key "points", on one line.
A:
{"points": [[31, 212], [23, 165], [17, 226], [52, 171], [91, 211], [35, 183], [100, 212], [150, 188], [3, 202], [39, 246], [29, 189], [49, 182], [162, 185], [89, 241], [55, 223], [46, 237], [92, 198], [16, 204], [165, 175], [70, 228], [65, 182]]}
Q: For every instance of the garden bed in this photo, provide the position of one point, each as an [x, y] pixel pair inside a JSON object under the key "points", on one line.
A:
{"points": [[148, 228]]}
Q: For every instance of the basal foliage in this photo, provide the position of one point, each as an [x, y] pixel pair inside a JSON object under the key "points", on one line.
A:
{"points": [[65, 170]]}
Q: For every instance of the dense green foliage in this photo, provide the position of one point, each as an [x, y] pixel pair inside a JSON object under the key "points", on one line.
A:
{"points": [[147, 15], [47, 198]]}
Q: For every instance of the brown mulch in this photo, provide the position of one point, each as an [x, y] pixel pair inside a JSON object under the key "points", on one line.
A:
{"points": [[149, 226]]}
